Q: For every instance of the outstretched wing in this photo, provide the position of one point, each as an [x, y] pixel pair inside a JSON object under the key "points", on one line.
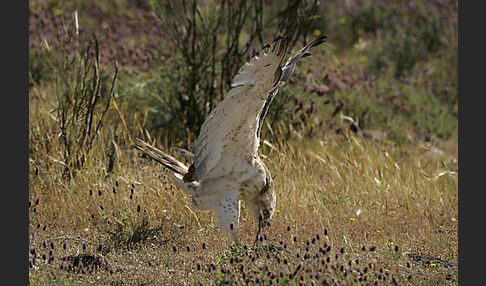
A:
{"points": [[232, 126], [287, 69], [289, 66]]}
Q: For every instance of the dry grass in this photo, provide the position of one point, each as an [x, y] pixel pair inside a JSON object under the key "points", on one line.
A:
{"points": [[351, 210], [388, 212]]}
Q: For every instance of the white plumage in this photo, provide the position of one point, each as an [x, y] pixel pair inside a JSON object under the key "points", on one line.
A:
{"points": [[227, 167]]}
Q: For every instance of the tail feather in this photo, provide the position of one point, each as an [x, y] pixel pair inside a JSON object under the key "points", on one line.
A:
{"points": [[157, 155]]}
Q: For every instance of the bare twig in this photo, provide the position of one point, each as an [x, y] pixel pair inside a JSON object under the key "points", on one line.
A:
{"points": [[107, 106]]}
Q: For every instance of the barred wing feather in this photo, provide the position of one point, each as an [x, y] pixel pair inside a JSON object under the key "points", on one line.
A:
{"points": [[231, 128]]}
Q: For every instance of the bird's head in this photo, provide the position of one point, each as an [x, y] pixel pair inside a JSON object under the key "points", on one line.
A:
{"points": [[266, 205], [267, 202]]}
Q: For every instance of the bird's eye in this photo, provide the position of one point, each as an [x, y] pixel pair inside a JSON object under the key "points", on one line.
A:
{"points": [[265, 213]]}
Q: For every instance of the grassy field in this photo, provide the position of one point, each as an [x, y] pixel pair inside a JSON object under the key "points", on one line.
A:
{"points": [[362, 142]]}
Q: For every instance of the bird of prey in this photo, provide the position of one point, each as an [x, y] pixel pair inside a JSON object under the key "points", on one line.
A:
{"points": [[227, 167]]}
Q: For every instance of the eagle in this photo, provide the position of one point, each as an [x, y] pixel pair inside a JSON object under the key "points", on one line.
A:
{"points": [[227, 167]]}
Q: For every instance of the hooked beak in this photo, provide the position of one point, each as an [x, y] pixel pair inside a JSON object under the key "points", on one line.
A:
{"points": [[261, 223]]}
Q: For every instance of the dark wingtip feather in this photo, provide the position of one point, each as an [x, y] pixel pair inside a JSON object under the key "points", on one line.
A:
{"points": [[277, 39], [306, 54], [280, 47], [318, 41]]}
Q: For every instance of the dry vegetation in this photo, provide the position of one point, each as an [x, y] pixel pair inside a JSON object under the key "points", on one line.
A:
{"points": [[352, 194], [376, 206]]}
